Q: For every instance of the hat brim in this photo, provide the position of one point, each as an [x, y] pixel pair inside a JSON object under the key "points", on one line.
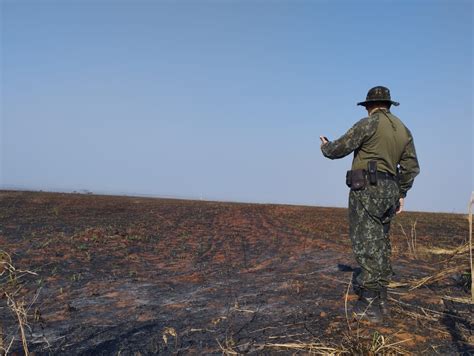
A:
{"points": [[364, 103]]}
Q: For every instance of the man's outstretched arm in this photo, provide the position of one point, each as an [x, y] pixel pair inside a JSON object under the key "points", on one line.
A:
{"points": [[351, 140]]}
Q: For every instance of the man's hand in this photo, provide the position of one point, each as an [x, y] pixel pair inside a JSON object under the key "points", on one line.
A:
{"points": [[400, 207], [324, 140]]}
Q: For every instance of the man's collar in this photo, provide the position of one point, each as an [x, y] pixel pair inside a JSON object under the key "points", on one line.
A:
{"points": [[378, 109]]}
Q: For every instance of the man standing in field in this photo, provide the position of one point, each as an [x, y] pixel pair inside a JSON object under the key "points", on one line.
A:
{"points": [[383, 170]]}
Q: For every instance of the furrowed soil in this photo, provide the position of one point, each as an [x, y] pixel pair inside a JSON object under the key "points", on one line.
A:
{"points": [[130, 276]]}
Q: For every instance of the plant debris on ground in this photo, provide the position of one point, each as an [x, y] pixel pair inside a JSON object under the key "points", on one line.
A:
{"points": [[144, 275]]}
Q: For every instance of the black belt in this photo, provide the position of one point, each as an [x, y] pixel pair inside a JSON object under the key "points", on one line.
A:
{"points": [[386, 175]]}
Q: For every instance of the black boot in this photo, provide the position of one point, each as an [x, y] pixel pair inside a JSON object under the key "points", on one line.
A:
{"points": [[368, 306], [384, 306]]}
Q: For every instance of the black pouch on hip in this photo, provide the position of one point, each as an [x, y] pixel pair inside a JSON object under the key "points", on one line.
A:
{"points": [[358, 179], [372, 168]]}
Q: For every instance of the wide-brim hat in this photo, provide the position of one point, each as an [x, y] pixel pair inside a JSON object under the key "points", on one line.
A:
{"points": [[377, 94]]}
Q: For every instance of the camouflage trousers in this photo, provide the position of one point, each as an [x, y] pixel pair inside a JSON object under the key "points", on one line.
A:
{"points": [[370, 213]]}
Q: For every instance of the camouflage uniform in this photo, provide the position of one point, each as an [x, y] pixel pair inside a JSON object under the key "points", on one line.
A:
{"points": [[370, 211], [384, 138]]}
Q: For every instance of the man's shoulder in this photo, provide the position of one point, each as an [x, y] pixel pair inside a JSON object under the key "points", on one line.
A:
{"points": [[368, 120], [365, 126], [400, 122], [394, 117], [401, 126]]}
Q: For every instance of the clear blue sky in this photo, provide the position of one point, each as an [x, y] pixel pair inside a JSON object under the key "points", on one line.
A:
{"points": [[226, 99]]}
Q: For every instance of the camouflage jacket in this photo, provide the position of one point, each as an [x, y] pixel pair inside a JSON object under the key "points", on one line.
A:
{"points": [[382, 137]]}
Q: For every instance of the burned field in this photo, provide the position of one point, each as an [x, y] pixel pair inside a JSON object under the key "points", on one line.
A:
{"points": [[125, 275]]}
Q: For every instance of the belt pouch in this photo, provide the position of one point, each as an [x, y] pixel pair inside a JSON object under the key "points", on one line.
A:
{"points": [[358, 179]]}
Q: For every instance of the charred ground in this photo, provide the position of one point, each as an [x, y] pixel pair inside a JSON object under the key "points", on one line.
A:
{"points": [[127, 275]]}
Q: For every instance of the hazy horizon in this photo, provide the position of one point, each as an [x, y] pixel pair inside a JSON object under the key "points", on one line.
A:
{"points": [[191, 198]]}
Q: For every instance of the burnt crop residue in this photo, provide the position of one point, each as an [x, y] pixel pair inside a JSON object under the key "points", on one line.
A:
{"points": [[139, 275]]}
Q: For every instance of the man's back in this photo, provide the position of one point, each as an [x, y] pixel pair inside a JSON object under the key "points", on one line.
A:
{"points": [[385, 145]]}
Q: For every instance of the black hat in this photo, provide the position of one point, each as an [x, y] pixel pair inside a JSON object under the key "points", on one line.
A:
{"points": [[378, 93]]}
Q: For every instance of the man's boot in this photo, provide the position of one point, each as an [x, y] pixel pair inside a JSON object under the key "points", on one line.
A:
{"points": [[368, 306], [384, 306]]}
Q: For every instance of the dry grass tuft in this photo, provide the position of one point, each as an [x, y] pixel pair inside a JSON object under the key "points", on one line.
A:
{"points": [[10, 290], [447, 271], [445, 251], [444, 273], [351, 344], [459, 300], [312, 348], [417, 283], [377, 344], [411, 240]]}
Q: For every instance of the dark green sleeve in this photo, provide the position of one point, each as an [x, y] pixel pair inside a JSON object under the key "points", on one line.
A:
{"points": [[408, 167], [352, 139]]}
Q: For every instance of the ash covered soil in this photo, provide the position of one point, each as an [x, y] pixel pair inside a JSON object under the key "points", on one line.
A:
{"points": [[144, 276]]}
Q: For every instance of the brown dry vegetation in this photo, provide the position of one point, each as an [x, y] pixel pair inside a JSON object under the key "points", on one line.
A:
{"points": [[127, 275]]}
